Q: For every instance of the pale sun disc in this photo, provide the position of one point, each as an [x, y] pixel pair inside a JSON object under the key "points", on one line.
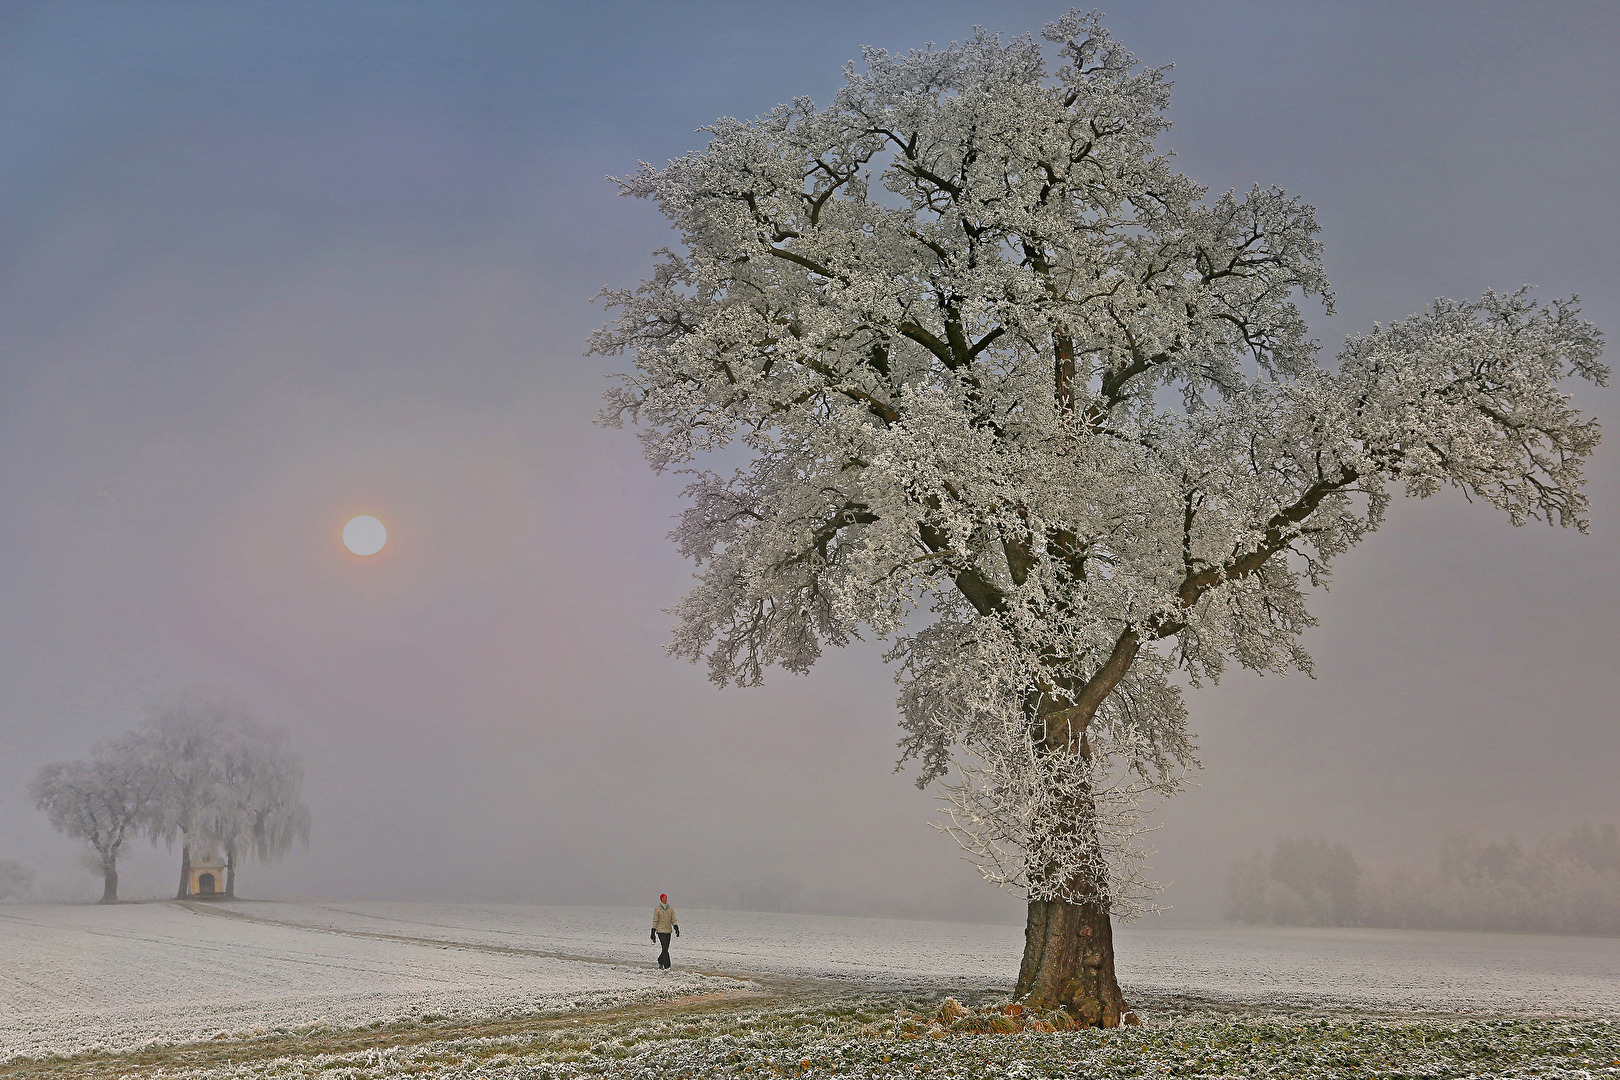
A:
{"points": [[365, 535]]}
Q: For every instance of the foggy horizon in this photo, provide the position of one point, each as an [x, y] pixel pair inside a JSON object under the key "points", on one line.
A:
{"points": [[269, 268]]}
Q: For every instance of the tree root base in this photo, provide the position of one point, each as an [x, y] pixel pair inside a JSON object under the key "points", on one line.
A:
{"points": [[1069, 965]]}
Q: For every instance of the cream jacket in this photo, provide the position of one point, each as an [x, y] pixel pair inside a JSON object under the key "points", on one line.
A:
{"points": [[664, 919]]}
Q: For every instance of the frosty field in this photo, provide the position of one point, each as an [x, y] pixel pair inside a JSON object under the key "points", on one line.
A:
{"points": [[77, 978], [97, 980], [1332, 968]]}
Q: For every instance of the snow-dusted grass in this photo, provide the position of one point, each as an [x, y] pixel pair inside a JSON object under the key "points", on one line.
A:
{"points": [[866, 1035], [866, 1041], [82, 978], [874, 1039]]}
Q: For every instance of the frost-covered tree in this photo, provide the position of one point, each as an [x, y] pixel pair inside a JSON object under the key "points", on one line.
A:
{"points": [[260, 812], [1016, 395], [1568, 884], [182, 741], [227, 781], [1303, 882], [104, 801]]}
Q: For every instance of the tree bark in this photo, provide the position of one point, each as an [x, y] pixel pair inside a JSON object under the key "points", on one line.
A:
{"points": [[1069, 963], [1069, 944], [109, 880], [185, 872], [230, 871]]}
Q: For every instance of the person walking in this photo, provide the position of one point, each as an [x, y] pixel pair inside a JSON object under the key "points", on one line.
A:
{"points": [[663, 924]]}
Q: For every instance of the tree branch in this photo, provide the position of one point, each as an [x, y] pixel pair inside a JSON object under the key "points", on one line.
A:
{"points": [[982, 593]]}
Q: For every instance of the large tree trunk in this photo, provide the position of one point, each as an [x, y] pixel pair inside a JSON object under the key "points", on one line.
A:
{"points": [[185, 872], [1069, 944], [230, 871], [1069, 963], [109, 880]]}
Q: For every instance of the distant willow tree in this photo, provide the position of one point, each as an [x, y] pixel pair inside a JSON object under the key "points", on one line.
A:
{"points": [[182, 743], [105, 802], [227, 780], [260, 813], [1018, 396]]}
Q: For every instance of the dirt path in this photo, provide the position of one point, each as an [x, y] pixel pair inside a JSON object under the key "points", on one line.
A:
{"points": [[448, 943], [191, 1057], [752, 980]]}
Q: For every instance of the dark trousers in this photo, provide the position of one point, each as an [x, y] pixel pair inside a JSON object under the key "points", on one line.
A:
{"points": [[663, 957]]}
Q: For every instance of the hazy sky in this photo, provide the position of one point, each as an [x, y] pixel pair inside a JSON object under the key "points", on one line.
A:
{"points": [[264, 267]]}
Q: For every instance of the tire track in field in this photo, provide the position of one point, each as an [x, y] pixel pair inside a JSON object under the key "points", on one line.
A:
{"points": [[471, 946]]}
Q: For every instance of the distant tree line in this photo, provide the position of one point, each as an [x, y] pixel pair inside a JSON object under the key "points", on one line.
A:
{"points": [[202, 772], [1565, 883]]}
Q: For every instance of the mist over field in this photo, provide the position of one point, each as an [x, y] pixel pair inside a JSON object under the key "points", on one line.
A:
{"points": [[266, 268]]}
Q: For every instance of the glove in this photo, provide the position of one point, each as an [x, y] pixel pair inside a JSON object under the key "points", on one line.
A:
{"points": [[677, 931], [654, 936]]}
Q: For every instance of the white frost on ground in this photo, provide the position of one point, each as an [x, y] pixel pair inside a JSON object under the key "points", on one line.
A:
{"points": [[78, 978], [878, 951], [1383, 970], [1416, 971]]}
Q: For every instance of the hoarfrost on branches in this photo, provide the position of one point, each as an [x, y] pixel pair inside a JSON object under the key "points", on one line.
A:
{"points": [[104, 802], [989, 355], [228, 779], [201, 769]]}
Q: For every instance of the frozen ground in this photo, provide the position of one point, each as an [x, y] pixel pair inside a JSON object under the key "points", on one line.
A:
{"points": [[1403, 971], [79, 978], [1380, 970]]}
